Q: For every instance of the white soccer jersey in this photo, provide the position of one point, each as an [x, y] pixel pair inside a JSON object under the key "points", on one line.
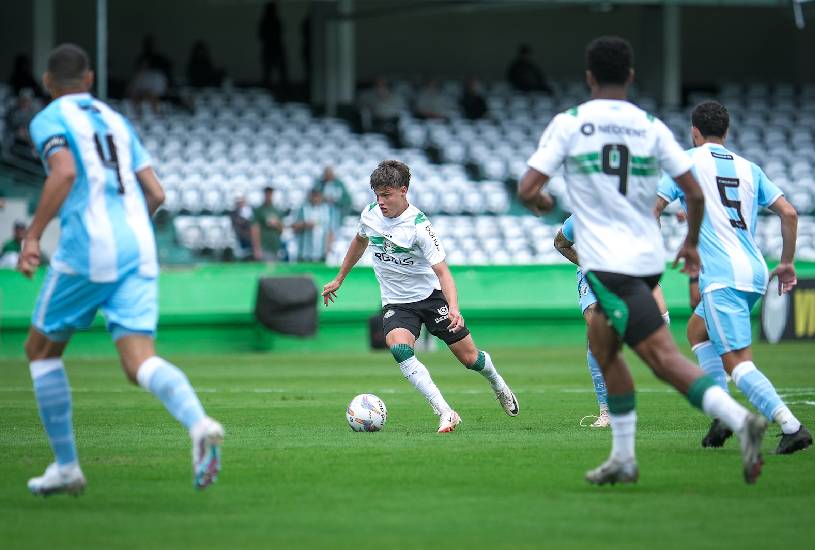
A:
{"points": [[404, 250], [613, 153]]}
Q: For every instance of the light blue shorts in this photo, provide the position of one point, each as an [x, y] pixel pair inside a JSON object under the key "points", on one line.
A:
{"points": [[726, 312], [69, 302], [584, 294]]}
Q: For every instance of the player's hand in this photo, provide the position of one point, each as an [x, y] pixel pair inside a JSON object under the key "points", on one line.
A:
{"points": [[330, 291], [690, 254], [29, 259], [543, 203], [786, 277], [456, 320]]}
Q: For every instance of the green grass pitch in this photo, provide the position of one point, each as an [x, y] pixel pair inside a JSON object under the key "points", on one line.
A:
{"points": [[295, 475]]}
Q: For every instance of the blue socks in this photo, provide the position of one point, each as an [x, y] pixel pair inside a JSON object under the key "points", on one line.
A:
{"points": [[53, 396], [711, 363], [168, 383], [758, 389], [599, 382]]}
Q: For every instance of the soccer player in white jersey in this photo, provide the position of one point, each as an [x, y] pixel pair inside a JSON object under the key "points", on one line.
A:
{"points": [[564, 243], [417, 288], [734, 275], [101, 185], [613, 152]]}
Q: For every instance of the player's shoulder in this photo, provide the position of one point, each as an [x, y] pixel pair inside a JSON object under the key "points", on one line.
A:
{"points": [[52, 113], [418, 217]]}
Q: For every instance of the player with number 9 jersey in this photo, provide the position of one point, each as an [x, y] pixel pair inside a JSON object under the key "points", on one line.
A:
{"points": [[612, 152]]}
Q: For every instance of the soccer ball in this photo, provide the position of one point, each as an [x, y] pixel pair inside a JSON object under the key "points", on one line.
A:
{"points": [[366, 413]]}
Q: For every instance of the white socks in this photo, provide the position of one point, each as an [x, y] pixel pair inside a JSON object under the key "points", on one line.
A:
{"points": [[491, 374], [718, 404], [623, 431], [418, 375]]}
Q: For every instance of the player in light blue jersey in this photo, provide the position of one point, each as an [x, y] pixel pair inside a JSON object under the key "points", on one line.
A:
{"points": [[734, 275], [564, 243], [101, 185]]}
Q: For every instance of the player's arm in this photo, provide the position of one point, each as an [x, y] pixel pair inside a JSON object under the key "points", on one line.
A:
{"points": [[531, 193], [355, 251], [448, 288], [58, 183], [695, 203], [789, 231], [565, 247], [254, 232], [660, 207], [150, 186]]}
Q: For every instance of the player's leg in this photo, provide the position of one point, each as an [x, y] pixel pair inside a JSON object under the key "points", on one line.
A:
{"points": [[402, 324], [659, 298], [602, 419], [131, 312], [636, 317], [621, 466], [727, 313], [401, 342], [481, 362], [710, 362], [65, 303]]}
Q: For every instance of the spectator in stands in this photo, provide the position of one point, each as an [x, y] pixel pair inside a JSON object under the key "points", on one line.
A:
{"points": [[149, 84], [150, 58], [313, 227], [380, 109], [267, 225], [472, 101], [431, 103], [19, 117], [22, 77], [11, 248], [201, 71], [241, 217], [273, 50], [335, 195], [525, 75]]}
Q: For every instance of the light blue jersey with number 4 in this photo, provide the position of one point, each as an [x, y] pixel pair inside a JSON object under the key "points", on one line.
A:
{"points": [[105, 228], [734, 188]]}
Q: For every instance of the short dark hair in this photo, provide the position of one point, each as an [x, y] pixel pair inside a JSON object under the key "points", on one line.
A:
{"points": [[67, 64], [711, 119], [390, 173], [268, 189], [610, 58]]}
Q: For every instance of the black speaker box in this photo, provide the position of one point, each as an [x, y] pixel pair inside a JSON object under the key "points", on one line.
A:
{"points": [[287, 305]]}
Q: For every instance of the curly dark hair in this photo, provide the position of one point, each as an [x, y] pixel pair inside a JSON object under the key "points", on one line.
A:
{"points": [[390, 173], [67, 64], [610, 58], [711, 119]]}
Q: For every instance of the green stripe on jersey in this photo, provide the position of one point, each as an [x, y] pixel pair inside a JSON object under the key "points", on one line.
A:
{"points": [[572, 111], [420, 217], [371, 206], [644, 171], [380, 242], [585, 157]]}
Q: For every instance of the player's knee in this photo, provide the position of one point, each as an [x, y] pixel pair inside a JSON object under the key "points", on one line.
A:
{"points": [[472, 359], [32, 349], [401, 352]]}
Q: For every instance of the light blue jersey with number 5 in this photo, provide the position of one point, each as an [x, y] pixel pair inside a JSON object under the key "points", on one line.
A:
{"points": [[734, 189]]}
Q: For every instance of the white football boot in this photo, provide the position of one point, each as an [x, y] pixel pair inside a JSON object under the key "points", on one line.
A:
{"points": [[448, 421], [508, 400], [56, 479], [207, 436], [614, 471]]}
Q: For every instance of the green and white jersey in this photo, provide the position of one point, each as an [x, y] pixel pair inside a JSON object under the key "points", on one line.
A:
{"points": [[613, 155], [404, 250]]}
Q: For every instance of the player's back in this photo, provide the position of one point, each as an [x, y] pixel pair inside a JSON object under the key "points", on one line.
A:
{"points": [[106, 230], [734, 188], [612, 151]]}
